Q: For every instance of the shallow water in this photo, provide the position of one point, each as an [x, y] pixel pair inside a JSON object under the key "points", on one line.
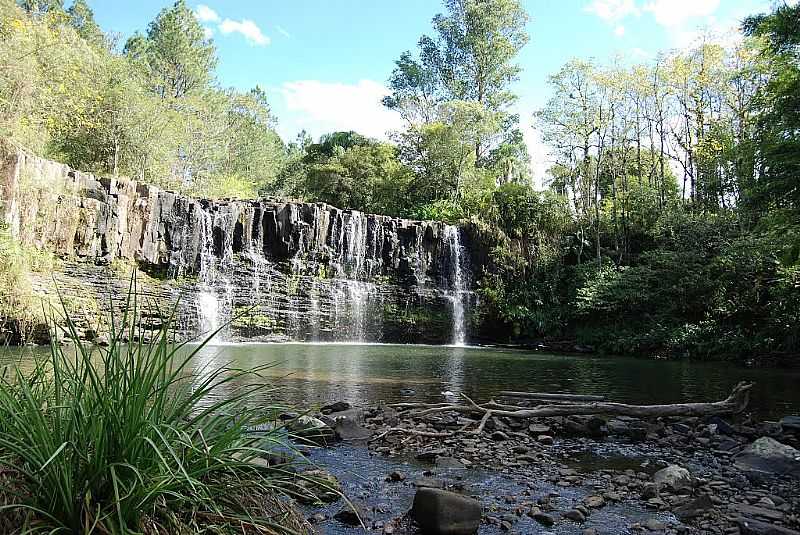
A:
{"points": [[362, 477], [367, 374]]}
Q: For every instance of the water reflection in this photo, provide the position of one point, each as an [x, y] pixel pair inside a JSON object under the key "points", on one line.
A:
{"points": [[366, 374]]}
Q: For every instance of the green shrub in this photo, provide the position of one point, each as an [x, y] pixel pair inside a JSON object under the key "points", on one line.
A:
{"points": [[127, 439]]}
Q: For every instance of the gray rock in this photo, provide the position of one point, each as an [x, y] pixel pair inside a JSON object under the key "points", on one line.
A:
{"points": [[428, 482], [575, 516], [759, 512], [336, 406], [310, 428], [635, 430], [538, 429], [595, 502], [543, 518], [654, 524], [352, 515], [748, 526], [768, 456], [347, 425], [449, 463], [790, 423], [694, 508], [429, 456], [673, 477], [499, 436], [319, 486], [440, 512]]}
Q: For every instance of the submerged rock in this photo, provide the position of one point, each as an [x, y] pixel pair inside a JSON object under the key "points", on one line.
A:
{"points": [[767, 455], [319, 486], [337, 406], [440, 512]]}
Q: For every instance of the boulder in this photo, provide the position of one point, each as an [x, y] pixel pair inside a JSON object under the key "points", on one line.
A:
{"points": [[353, 514], [673, 477], [449, 463], [749, 526], [440, 512], [336, 406], [768, 456], [790, 423], [694, 508], [347, 425], [588, 426], [575, 515], [543, 518], [538, 429], [310, 428], [635, 430], [595, 502]]}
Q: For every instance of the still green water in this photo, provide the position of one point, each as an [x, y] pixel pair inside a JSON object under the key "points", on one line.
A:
{"points": [[367, 374]]}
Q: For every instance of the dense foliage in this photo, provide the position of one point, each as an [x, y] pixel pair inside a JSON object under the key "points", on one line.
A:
{"points": [[679, 180]]}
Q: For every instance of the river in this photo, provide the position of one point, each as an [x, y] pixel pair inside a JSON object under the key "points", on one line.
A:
{"points": [[367, 374]]}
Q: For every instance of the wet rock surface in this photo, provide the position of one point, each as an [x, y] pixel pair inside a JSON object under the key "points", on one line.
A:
{"points": [[681, 478]]}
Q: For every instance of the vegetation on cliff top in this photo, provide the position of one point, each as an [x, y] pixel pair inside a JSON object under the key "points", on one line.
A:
{"points": [[669, 222]]}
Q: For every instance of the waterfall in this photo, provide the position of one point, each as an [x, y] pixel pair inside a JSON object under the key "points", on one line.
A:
{"points": [[358, 294], [459, 284], [352, 256], [213, 312], [206, 301]]}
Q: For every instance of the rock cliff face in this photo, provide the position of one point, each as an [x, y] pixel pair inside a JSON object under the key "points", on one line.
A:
{"points": [[274, 269]]}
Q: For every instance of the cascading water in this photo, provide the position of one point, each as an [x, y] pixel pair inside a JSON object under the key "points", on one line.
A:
{"points": [[206, 301], [324, 280], [213, 312], [459, 284], [351, 269]]}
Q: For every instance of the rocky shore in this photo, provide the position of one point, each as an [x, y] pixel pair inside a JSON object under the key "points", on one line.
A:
{"points": [[586, 475]]}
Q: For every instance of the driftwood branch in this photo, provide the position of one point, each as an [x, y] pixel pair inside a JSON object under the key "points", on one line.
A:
{"points": [[735, 403], [549, 397]]}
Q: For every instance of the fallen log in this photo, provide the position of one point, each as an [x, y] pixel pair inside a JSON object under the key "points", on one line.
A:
{"points": [[735, 403], [547, 396]]}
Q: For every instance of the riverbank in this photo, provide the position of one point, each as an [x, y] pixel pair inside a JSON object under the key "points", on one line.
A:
{"points": [[587, 475]]}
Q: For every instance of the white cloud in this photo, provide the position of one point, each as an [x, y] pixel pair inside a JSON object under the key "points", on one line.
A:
{"points": [[208, 32], [247, 28], [206, 14], [612, 10], [674, 13], [283, 32], [619, 31], [321, 107]]}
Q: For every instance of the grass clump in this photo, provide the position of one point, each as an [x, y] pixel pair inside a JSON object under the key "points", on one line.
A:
{"points": [[128, 439]]}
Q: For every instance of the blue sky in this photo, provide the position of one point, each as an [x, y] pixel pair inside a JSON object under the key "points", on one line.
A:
{"points": [[324, 63]]}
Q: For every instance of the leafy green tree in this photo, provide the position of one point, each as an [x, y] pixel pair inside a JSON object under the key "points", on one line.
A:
{"points": [[777, 107], [81, 18], [350, 171], [466, 69], [175, 53]]}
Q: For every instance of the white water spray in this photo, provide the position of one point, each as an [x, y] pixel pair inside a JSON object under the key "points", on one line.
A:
{"points": [[459, 286]]}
